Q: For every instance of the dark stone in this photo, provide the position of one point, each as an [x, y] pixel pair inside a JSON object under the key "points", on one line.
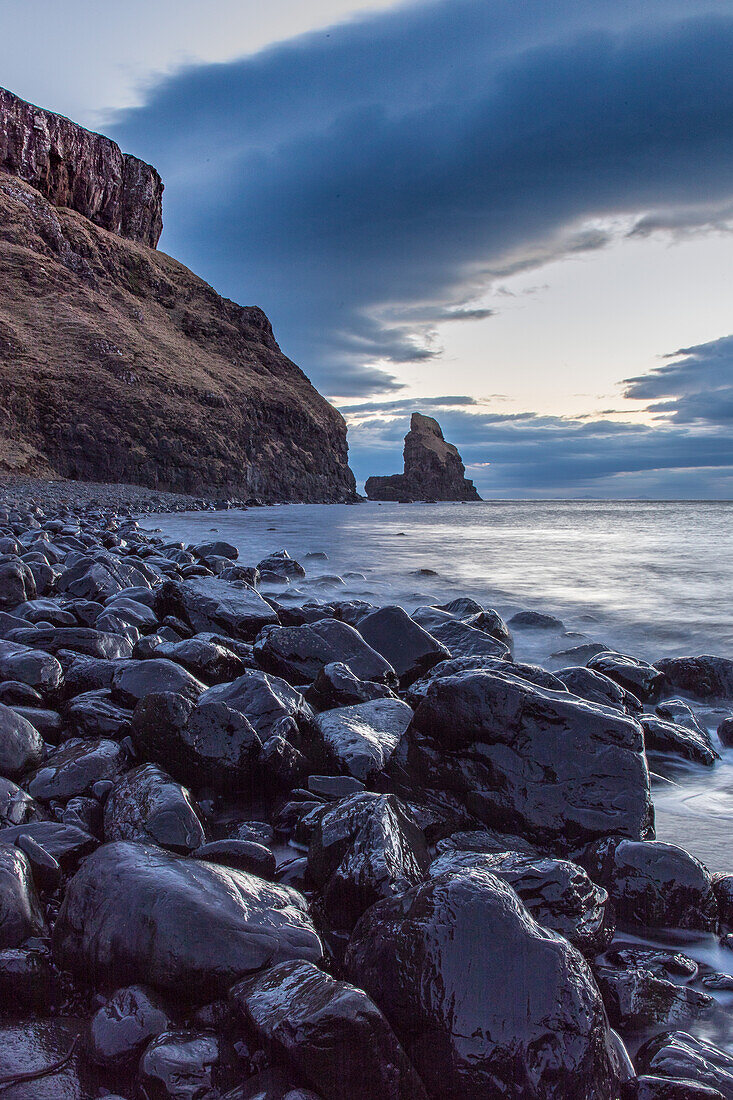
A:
{"points": [[526, 759], [45, 868], [16, 806], [217, 549], [540, 1031], [37, 669], [181, 1064], [725, 732], [121, 1029], [723, 890], [21, 745], [205, 743], [640, 678], [243, 855], [79, 639], [364, 848], [433, 469], [637, 1000], [66, 843], [74, 767], [141, 678], [668, 737], [332, 1033], [268, 702], [204, 659], [94, 714], [558, 894], [597, 688], [535, 620], [677, 1055], [362, 739], [47, 722], [665, 1088], [27, 981], [282, 565], [147, 805], [136, 913], [334, 787], [486, 840], [702, 677], [409, 649], [459, 638], [298, 653], [14, 693], [681, 713], [653, 884], [486, 619], [21, 915], [17, 584], [49, 1050], [661, 961], [211, 604], [533, 674], [336, 686]]}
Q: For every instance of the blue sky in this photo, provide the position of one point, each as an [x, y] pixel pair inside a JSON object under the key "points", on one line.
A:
{"points": [[513, 215]]}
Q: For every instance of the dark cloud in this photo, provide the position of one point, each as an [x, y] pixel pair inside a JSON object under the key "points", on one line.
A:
{"points": [[696, 388], [363, 185]]}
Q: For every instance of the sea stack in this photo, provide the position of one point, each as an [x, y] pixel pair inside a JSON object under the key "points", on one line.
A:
{"points": [[433, 469], [117, 364]]}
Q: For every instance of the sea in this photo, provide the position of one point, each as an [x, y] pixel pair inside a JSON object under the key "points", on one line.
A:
{"points": [[648, 578]]}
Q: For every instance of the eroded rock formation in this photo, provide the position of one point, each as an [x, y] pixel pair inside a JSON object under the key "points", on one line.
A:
{"points": [[433, 469], [117, 364], [76, 168]]}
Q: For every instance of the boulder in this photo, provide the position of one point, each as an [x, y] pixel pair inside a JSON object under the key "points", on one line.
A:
{"points": [[79, 639], [269, 703], [521, 758], [17, 584], [211, 604], [121, 1029], [336, 686], [332, 1033], [147, 805], [653, 884], [484, 1000], [535, 620], [365, 847], [21, 914], [647, 1087], [597, 688], [298, 653], [205, 659], [75, 767], [30, 666], [21, 745], [94, 714], [637, 1000], [181, 1064], [668, 737], [409, 649], [533, 674], [282, 565], [135, 913], [43, 1058], [678, 1055], [362, 739], [704, 677], [640, 678], [140, 678]]}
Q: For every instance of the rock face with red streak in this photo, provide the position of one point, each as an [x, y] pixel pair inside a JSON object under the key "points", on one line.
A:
{"points": [[75, 168], [433, 469]]}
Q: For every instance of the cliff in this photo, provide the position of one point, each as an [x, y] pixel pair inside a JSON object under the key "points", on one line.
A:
{"points": [[119, 364], [75, 168], [433, 469]]}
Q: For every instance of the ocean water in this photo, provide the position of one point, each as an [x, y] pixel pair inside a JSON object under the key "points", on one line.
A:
{"points": [[651, 579]]}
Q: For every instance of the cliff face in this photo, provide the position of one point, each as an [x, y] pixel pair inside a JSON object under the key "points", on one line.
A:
{"points": [[433, 469], [119, 364], [72, 167]]}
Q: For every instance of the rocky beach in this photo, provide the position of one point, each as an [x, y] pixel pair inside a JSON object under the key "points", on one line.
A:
{"points": [[259, 847]]}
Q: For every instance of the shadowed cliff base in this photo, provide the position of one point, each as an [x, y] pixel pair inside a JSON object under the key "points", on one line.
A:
{"points": [[433, 469]]}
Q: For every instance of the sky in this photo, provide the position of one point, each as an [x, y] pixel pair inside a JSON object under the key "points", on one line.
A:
{"points": [[514, 215]]}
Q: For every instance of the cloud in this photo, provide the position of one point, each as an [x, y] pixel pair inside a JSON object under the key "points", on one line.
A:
{"points": [[696, 388], [366, 185]]}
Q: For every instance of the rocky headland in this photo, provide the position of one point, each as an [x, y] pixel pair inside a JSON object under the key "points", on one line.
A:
{"points": [[118, 364], [433, 469], [254, 848]]}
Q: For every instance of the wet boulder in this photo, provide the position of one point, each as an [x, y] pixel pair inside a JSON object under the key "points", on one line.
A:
{"points": [[364, 848], [535, 620], [208, 661], [66, 843], [410, 650], [533, 674], [597, 688], [680, 1056], [243, 855], [75, 767], [135, 913], [647, 1087], [522, 1018], [17, 584], [16, 805], [525, 759], [99, 576], [336, 686], [725, 732], [637, 1000], [21, 745], [79, 639], [640, 678], [204, 743], [282, 565], [21, 915], [212, 604], [27, 981], [362, 739], [557, 893], [331, 1032], [44, 1060], [298, 653], [147, 805], [668, 737], [267, 702], [34, 667], [217, 548], [653, 884], [460, 638], [704, 677], [94, 714], [121, 1029], [140, 678], [178, 1065]]}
